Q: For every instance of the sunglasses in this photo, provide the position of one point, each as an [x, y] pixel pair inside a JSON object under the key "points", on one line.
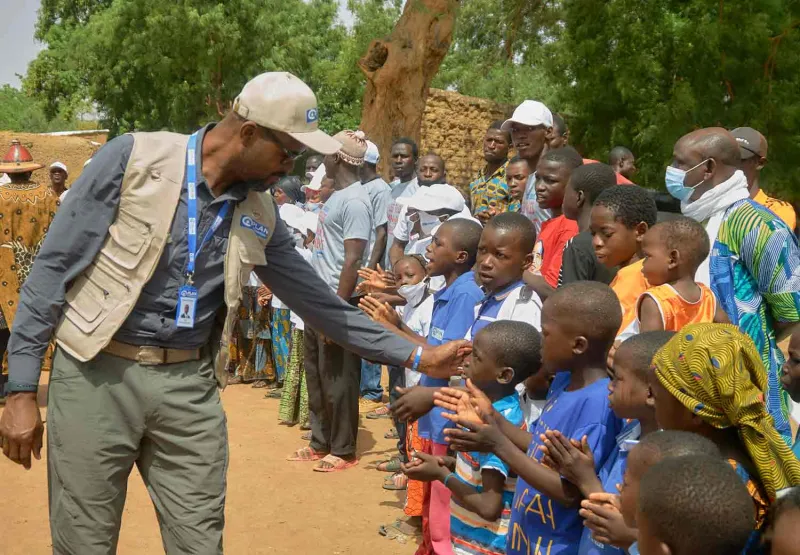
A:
{"points": [[290, 154]]}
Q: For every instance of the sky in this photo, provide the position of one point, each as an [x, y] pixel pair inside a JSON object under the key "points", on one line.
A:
{"points": [[16, 28]]}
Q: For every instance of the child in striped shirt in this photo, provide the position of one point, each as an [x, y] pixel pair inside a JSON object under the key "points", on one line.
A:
{"points": [[504, 354]]}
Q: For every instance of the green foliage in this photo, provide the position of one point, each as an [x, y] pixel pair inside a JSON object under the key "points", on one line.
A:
{"points": [[643, 74], [150, 64], [19, 112]]}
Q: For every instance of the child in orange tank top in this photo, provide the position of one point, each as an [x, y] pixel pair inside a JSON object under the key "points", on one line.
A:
{"points": [[673, 250]]}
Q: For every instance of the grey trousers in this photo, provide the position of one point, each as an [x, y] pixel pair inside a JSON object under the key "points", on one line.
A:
{"points": [[108, 414]]}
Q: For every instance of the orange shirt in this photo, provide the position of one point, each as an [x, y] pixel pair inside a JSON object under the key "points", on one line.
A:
{"points": [[629, 284], [621, 179], [676, 311], [549, 249], [780, 208]]}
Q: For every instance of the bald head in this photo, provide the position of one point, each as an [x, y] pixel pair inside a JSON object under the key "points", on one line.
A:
{"points": [[709, 156], [716, 143]]}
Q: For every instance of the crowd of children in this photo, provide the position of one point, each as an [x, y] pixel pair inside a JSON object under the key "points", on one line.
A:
{"points": [[607, 406]]}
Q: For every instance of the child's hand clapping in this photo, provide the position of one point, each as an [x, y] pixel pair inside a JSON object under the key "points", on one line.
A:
{"points": [[380, 312], [375, 280], [572, 459], [412, 403], [425, 468], [264, 295], [471, 405], [602, 515]]}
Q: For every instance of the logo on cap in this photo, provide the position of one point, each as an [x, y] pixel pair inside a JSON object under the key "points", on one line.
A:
{"points": [[311, 115]]}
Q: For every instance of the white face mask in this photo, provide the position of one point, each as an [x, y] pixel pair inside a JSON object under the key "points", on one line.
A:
{"points": [[299, 240], [428, 223], [413, 293]]}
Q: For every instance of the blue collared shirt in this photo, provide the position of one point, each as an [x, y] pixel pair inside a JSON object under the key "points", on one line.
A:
{"points": [[453, 314], [491, 305]]}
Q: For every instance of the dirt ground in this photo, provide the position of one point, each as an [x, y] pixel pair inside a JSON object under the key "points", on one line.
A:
{"points": [[72, 151], [273, 506]]}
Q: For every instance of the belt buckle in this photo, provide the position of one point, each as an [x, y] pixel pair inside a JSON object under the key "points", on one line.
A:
{"points": [[151, 356]]}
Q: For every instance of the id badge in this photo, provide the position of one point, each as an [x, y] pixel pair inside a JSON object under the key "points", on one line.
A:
{"points": [[187, 302]]}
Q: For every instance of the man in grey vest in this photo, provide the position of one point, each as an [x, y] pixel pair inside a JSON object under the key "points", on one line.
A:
{"points": [[157, 235]]}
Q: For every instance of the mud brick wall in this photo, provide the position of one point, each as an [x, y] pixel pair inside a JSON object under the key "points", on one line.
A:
{"points": [[453, 126]]}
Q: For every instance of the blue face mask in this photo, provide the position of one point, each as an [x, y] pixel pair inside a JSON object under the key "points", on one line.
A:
{"points": [[674, 179]]}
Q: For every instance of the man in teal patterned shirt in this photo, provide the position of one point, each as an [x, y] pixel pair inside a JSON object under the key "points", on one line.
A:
{"points": [[754, 265]]}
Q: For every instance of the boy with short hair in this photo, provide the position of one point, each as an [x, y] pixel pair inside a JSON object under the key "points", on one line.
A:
{"points": [[451, 254], [628, 395], [579, 262], [504, 253], [517, 173], [620, 217], [690, 505], [552, 174], [544, 513], [673, 250], [504, 354]]}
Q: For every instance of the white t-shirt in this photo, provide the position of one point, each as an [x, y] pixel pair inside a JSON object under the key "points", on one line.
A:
{"points": [[399, 190], [419, 320]]}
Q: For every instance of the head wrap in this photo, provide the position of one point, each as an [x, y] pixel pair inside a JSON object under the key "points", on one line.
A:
{"points": [[354, 146], [292, 188], [714, 370]]}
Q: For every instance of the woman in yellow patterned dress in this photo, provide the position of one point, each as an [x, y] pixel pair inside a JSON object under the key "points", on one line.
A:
{"points": [[26, 210]]}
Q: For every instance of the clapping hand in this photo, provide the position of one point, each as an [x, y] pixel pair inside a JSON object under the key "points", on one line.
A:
{"points": [[572, 459], [412, 403], [375, 281], [425, 468], [380, 312], [603, 516], [264, 295], [468, 406]]}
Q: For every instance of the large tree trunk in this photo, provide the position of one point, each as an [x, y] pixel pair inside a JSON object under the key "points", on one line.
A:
{"points": [[400, 68]]}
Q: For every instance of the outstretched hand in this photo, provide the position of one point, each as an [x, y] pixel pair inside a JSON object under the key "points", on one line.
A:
{"points": [[443, 360], [375, 280]]}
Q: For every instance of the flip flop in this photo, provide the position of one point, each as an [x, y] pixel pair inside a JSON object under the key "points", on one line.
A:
{"points": [[391, 434], [382, 412], [336, 464], [398, 482], [306, 436], [306, 454], [391, 465]]}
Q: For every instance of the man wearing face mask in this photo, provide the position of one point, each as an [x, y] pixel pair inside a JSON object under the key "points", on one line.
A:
{"points": [[430, 171], [754, 265], [530, 126], [157, 226]]}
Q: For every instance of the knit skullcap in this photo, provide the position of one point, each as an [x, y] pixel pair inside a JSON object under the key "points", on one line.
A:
{"points": [[354, 146]]}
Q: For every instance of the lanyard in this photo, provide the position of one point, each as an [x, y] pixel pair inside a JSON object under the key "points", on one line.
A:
{"points": [[191, 187]]}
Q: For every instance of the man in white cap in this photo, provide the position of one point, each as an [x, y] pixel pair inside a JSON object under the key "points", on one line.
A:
{"points": [[156, 224], [530, 125], [430, 170], [320, 187], [58, 178]]}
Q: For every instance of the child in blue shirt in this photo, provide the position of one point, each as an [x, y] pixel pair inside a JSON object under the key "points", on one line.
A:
{"points": [[579, 323], [451, 254], [504, 354], [629, 397]]}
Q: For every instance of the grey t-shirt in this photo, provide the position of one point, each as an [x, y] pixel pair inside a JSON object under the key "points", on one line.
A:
{"points": [[380, 197], [346, 215]]}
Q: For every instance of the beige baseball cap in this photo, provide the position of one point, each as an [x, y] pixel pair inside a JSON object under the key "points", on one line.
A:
{"points": [[280, 101]]}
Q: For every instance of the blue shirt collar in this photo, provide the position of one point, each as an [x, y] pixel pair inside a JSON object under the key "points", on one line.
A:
{"points": [[505, 292], [447, 292]]}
